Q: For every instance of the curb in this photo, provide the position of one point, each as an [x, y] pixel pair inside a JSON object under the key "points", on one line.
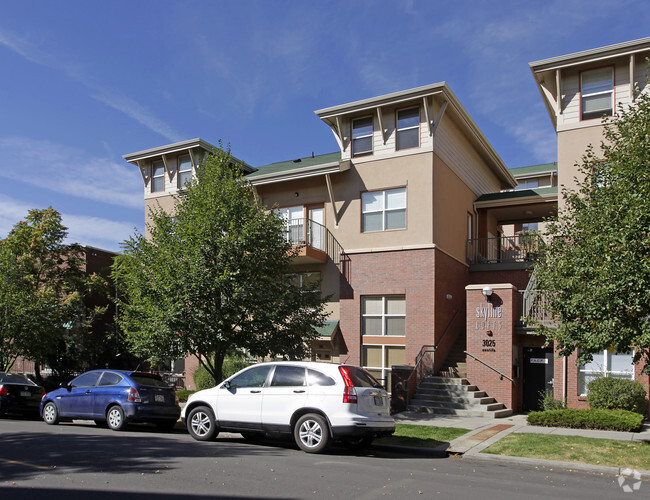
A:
{"points": [[550, 464]]}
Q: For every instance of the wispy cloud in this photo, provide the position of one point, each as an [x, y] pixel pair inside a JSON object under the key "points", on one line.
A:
{"points": [[70, 171], [75, 71], [93, 231]]}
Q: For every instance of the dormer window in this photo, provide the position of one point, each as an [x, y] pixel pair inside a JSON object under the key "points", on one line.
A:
{"points": [[184, 173], [362, 129], [597, 89], [157, 176], [408, 128]]}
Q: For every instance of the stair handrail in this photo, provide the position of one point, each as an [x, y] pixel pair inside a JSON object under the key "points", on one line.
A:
{"points": [[418, 362], [491, 367]]}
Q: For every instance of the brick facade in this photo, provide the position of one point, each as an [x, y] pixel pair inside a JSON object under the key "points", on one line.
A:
{"points": [[431, 282]]}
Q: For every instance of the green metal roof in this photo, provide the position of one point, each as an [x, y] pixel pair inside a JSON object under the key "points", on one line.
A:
{"points": [[297, 164], [523, 193], [534, 169], [328, 328]]}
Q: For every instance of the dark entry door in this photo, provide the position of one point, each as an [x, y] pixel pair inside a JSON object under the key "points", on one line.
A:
{"points": [[538, 375]]}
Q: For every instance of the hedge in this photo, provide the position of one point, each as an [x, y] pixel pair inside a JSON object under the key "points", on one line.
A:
{"points": [[611, 393], [593, 418]]}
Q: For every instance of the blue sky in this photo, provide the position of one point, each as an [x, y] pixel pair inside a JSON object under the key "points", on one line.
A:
{"points": [[84, 82]]}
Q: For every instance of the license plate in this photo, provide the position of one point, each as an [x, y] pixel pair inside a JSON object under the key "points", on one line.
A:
{"points": [[26, 394], [379, 401], [159, 398]]}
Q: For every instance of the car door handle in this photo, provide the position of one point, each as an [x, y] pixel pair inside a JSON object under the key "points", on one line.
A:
{"points": [[88, 391], [299, 390], [255, 392]]}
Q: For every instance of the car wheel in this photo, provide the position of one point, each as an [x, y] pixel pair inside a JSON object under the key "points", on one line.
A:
{"points": [[115, 418], [311, 433], [201, 424], [166, 425], [50, 413], [358, 443]]}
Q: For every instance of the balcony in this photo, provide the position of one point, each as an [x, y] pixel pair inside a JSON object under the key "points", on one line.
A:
{"points": [[517, 251], [314, 241]]}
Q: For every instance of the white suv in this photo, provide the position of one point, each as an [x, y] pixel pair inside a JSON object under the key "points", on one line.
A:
{"points": [[314, 402]]}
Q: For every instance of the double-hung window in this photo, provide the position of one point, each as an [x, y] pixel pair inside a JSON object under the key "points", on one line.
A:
{"points": [[157, 176], [383, 315], [383, 210], [597, 93], [408, 128], [605, 364], [378, 360], [184, 170], [362, 136]]}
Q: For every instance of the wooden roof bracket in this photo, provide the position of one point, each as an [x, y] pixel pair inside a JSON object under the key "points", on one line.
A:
{"points": [[144, 171], [380, 119], [330, 192], [558, 85], [168, 167], [441, 113], [336, 130], [425, 105], [632, 62]]}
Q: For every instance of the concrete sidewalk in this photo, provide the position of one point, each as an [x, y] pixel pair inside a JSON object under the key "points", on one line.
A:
{"points": [[486, 431]]}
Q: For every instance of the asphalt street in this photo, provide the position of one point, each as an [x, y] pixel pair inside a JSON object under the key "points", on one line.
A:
{"points": [[80, 460]]}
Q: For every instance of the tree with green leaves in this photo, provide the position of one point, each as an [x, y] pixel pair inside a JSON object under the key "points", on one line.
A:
{"points": [[596, 269], [43, 286], [213, 277]]}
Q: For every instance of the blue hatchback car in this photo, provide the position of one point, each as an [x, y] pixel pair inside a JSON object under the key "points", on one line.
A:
{"points": [[113, 398]]}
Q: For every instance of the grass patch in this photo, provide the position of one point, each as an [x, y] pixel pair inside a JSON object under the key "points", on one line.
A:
{"points": [[635, 454], [421, 436]]}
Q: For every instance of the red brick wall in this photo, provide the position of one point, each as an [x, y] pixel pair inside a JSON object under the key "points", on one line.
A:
{"points": [[491, 339]]}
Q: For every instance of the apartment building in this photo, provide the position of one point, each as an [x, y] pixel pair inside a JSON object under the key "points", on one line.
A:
{"points": [[424, 240]]}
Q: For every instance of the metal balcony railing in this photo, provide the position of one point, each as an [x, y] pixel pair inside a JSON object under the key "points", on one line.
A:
{"points": [[504, 249], [536, 304], [307, 232]]}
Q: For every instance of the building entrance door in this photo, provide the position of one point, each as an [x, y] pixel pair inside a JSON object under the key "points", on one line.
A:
{"points": [[538, 375]]}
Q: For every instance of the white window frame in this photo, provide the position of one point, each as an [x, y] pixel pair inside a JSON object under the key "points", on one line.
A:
{"points": [[383, 315], [179, 172], [358, 154], [603, 370], [584, 95], [385, 370], [383, 210], [154, 165], [399, 130]]}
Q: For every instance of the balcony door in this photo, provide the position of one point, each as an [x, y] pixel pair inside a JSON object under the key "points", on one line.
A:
{"points": [[316, 228]]}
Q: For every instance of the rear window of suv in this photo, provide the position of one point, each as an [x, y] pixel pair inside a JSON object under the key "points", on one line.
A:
{"points": [[361, 378]]}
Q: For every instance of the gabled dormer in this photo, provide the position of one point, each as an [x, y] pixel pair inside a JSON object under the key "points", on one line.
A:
{"points": [[580, 89]]}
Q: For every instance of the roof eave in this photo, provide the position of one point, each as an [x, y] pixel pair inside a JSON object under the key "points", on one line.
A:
{"points": [[299, 173]]}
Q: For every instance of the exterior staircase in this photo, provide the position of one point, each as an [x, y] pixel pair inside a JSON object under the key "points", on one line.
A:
{"points": [[455, 396], [451, 393]]}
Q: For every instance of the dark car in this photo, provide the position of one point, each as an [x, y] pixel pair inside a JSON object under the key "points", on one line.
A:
{"points": [[113, 398], [19, 395]]}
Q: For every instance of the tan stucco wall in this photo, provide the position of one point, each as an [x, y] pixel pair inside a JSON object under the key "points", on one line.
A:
{"points": [[166, 202], [450, 224], [571, 146]]}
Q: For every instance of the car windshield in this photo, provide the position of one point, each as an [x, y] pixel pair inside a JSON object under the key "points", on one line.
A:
{"points": [[148, 379], [361, 378], [15, 378]]}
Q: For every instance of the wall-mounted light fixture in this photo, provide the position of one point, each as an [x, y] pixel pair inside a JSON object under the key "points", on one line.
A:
{"points": [[449, 296], [487, 291]]}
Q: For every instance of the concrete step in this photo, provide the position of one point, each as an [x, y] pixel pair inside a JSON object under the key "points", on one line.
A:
{"points": [[501, 413], [458, 404], [445, 381], [469, 399], [455, 393]]}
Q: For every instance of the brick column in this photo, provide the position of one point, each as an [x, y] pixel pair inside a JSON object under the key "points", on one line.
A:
{"points": [[490, 337]]}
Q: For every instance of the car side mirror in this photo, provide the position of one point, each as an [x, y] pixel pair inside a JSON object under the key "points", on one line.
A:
{"points": [[226, 385], [65, 385]]}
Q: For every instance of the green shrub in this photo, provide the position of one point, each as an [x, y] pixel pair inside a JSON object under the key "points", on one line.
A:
{"points": [[548, 402], [611, 393], [183, 395], [231, 365], [593, 418]]}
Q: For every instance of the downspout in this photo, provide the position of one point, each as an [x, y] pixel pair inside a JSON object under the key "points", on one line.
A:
{"points": [[564, 381]]}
